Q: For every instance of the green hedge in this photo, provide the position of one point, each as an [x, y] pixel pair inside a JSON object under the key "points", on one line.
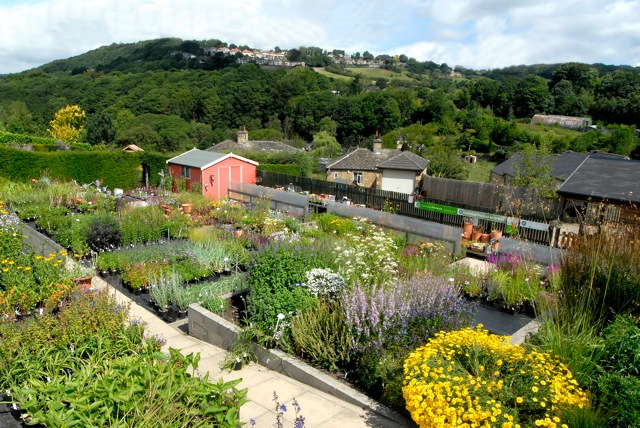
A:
{"points": [[39, 144], [117, 169], [281, 168]]}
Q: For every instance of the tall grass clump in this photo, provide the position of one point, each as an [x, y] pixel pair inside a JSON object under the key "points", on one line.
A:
{"points": [[600, 276]]}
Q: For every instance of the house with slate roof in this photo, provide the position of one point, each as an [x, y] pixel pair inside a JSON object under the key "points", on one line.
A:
{"points": [[601, 183], [212, 171], [244, 145], [561, 166], [387, 169]]}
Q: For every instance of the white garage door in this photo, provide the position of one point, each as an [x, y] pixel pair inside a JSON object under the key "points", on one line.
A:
{"points": [[398, 181]]}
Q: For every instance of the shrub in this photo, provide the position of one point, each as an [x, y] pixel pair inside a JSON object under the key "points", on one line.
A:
{"points": [[403, 315], [367, 259], [321, 335], [619, 397], [324, 282], [276, 272], [103, 233], [471, 377]]}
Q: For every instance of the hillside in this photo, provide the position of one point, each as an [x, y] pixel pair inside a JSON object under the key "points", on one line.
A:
{"points": [[170, 94]]}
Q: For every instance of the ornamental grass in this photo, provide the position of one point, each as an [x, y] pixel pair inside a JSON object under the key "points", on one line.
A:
{"points": [[469, 378]]}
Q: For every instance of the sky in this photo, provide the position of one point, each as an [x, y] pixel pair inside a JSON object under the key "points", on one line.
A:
{"points": [[477, 34]]}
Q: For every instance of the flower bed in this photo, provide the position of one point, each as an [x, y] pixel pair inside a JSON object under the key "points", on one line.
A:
{"points": [[471, 378]]}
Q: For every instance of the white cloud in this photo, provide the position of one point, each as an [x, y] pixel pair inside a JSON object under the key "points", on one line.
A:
{"points": [[473, 33]]}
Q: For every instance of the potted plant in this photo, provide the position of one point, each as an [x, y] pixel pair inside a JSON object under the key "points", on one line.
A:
{"points": [[84, 274], [182, 299], [160, 295]]}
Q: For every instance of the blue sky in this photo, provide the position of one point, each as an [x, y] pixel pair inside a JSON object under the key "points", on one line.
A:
{"points": [[478, 34]]}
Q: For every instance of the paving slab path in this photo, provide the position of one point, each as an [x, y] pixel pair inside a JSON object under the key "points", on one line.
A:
{"points": [[320, 410]]}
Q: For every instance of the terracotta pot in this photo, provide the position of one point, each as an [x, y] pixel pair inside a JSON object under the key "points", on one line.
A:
{"points": [[476, 235], [186, 208], [485, 237], [496, 234], [467, 229], [85, 281], [239, 233], [496, 246]]}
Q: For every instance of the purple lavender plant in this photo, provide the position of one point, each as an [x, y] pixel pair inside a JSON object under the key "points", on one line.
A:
{"points": [[405, 314]]}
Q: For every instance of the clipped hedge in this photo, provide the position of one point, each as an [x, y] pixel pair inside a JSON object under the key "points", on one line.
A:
{"points": [[281, 168], [117, 169], [39, 144]]}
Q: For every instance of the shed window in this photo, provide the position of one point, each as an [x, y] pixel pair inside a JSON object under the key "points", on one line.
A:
{"points": [[357, 177], [185, 172]]}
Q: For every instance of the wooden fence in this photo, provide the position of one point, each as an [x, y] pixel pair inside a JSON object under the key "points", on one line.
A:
{"points": [[398, 203], [518, 201]]}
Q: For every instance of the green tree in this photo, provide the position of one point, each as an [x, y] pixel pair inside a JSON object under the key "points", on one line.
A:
{"points": [[328, 125], [100, 129], [445, 163], [17, 118], [532, 97], [326, 145], [533, 170]]}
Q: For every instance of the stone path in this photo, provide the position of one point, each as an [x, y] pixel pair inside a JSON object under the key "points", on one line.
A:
{"points": [[319, 409]]}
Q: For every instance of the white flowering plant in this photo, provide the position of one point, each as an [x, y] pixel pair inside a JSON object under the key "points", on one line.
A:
{"points": [[324, 282], [367, 259]]}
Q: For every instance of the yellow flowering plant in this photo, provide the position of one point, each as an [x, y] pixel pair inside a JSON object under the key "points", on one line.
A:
{"points": [[470, 378]]}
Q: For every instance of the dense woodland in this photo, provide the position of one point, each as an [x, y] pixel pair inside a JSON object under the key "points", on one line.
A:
{"points": [[151, 94]]}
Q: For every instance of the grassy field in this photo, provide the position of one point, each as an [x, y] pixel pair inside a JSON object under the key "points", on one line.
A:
{"points": [[480, 171], [370, 73], [375, 73]]}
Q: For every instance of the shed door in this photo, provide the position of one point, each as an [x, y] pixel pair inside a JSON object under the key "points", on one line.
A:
{"points": [[227, 174]]}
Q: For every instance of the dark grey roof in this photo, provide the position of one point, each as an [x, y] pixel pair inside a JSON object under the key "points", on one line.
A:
{"points": [[560, 165], [252, 146], [362, 159], [405, 161], [604, 178]]}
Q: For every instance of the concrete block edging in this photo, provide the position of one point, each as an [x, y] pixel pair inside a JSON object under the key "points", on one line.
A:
{"points": [[211, 328]]}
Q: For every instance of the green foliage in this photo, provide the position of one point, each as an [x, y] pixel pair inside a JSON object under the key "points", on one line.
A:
{"points": [[281, 168], [326, 145], [622, 346], [321, 335], [117, 169], [619, 397], [274, 278], [447, 164], [534, 171]]}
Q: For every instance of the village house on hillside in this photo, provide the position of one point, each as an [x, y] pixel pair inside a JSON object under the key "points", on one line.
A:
{"points": [[244, 145], [386, 169]]}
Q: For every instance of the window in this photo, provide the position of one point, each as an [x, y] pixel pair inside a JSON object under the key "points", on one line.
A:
{"points": [[335, 175], [357, 177], [185, 172]]}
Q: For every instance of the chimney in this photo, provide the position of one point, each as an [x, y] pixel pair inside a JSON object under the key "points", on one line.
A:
{"points": [[377, 144], [243, 135]]}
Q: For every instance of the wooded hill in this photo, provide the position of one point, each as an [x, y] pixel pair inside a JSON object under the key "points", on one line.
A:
{"points": [[151, 94]]}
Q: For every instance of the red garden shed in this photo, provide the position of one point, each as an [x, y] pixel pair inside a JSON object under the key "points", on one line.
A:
{"points": [[212, 171]]}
